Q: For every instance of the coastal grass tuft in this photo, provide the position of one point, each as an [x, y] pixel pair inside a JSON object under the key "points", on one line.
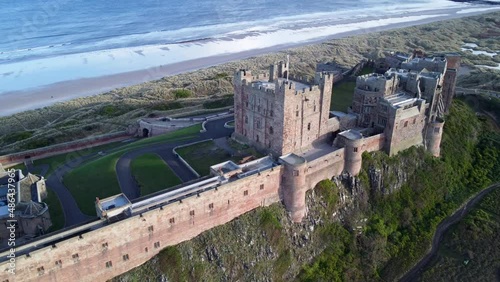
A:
{"points": [[153, 174]]}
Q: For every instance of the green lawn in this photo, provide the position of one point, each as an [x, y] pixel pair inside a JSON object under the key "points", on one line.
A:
{"points": [[153, 174], [97, 178], [55, 210], [342, 96], [203, 155], [55, 161], [366, 70]]}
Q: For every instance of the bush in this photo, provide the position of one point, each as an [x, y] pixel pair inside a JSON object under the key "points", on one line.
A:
{"points": [[17, 136], [181, 93], [170, 261], [226, 101], [167, 106]]}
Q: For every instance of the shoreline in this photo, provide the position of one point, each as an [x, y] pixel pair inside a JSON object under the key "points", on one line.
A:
{"points": [[15, 102]]}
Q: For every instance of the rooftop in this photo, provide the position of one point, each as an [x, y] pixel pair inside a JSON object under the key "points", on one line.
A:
{"points": [[400, 99], [293, 159], [351, 134], [272, 85], [114, 202]]}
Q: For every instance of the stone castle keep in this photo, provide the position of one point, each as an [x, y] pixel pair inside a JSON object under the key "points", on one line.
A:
{"points": [[287, 117]]}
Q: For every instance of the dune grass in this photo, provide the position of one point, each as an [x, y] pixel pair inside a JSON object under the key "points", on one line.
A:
{"points": [[97, 178], [153, 174]]}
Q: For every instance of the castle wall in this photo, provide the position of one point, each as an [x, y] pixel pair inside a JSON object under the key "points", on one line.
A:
{"points": [[405, 129], [139, 238], [325, 167], [433, 138]]}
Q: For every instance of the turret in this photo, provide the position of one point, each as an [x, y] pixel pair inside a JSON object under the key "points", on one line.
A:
{"points": [[433, 137], [294, 185]]}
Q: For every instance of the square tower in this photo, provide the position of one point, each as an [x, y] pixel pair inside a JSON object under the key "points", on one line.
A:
{"points": [[280, 114]]}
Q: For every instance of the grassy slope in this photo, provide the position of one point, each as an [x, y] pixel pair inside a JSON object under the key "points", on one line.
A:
{"points": [[153, 174], [203, 155], [55, 211], [55, 161], [98, 177], [470, 251]]}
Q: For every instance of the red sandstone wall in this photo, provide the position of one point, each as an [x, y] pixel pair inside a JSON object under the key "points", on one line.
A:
{"points": [[374, 143], [62, 148], [325, 167], [131, 236]]}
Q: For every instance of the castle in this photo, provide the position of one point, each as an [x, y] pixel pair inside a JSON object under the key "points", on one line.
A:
{"points": [[21, 204], [289, 118]]}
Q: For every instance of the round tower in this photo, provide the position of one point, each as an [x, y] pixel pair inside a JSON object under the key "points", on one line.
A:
{"points": [[433, 138], [294, 186], [353, 152]]}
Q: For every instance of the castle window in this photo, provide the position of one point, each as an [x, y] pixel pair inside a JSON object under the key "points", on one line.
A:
{"points": [[271, 113], [157, 245], [355, 149], [75, 258], [257, 138], [191, 213], [309, 126], [297, 113], [59, 263], [258, 124], [295, 173], [105, 245], [171, 220], [414, 120], [314, 108], [150, 228], [258, 108], [271, 130], [245, 193], [125, 257], [211, 206], [436, 130], [261, 186], [40, 270], [246, 119], [246, 104], [146, 249], [406, 123], [109, 264]]}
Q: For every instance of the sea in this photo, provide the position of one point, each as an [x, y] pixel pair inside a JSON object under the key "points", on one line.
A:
{"points": [[48, 41]]}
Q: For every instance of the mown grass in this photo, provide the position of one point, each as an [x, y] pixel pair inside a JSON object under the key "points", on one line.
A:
{"points": [[153, 174], [55, 161], [97, 178], [203, 155], [55, 211], [342, 96]]}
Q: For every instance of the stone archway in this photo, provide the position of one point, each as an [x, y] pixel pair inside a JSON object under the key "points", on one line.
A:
{"points": [[145, 132]]}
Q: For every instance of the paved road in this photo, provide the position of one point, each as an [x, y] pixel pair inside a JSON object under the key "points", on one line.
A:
{"points": [[415, 272], [215, 129], [71, 211], [73, 214]]}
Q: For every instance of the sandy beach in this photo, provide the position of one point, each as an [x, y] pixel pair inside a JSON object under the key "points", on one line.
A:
{"points": [[32, 98]]}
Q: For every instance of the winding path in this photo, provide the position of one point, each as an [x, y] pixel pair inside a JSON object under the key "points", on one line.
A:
{"points": [[215, 129], [414, 272]]}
